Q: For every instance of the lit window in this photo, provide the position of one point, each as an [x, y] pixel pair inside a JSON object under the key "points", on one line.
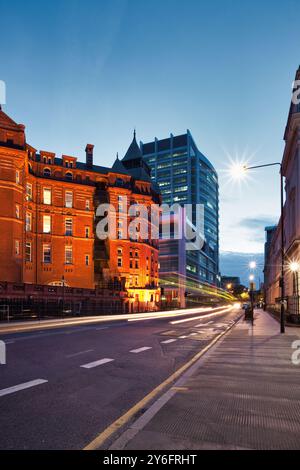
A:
{"points": [[87, 260], [29, 191], [47, 196], [17, 247], [46, 223], [69, 199], [28, 221], [87, 232], [68, 255], [46, 253], [17, 177], [28, 256], [47, 172], [69, 227], [17, 211]]}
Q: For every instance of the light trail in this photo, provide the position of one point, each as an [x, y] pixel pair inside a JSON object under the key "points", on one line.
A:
{"points": [[224, 310]]}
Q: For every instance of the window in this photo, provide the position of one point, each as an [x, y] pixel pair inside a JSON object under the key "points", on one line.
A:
{"points": [[47, 196], [28, 256], [47, 253], [69, 227], [69, 199], [87, 232], [28, 221], [136, 280], [17, 211], [49, 160], [17, 177], [119, 234], [87, 260], [17, 247], [87, 204], [46, 224], [69, 176], [68, 255], [47, 172], [136, 264], [120, 262], [29, 191], [131, 264], [120, 251]]}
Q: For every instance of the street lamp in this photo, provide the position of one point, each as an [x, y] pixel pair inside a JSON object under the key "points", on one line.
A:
{"points": [[252, 265], [251, 277], [238, 171]]}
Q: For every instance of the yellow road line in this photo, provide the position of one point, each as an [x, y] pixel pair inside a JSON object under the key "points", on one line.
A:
{"points": [[126, 417]]}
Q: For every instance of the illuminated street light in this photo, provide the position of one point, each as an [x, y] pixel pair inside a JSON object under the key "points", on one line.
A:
{"points": [[229, 286], [252, 265], [238, 171], [251, 277], [294, 266]]}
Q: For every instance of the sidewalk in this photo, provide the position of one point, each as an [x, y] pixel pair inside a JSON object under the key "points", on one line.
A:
{"points": [[245, 395]]}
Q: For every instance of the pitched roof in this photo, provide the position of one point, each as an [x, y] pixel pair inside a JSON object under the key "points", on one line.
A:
{"points": [[133, 152], [7, 123], [118, 167]]}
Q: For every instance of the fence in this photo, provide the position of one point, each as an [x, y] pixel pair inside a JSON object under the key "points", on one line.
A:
{"points": [[29, 302]]}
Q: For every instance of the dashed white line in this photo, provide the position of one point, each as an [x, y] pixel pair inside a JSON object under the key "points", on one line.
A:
{"points": [[136, 351], [168, 341], [90, 365], [79, 353], [182, 337], [23, 386]]}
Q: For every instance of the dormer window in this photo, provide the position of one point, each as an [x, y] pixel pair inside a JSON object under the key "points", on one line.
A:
{"points": [[47, 172]]}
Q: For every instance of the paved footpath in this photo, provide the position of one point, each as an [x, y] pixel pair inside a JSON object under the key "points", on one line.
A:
{"points": [[245, 395]]}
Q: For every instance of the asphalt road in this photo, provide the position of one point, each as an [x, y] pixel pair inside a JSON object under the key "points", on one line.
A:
{"points": [[80, 379]]}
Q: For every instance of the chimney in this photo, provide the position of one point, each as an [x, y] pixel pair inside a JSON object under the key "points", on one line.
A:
{"points": [[89, 155]]}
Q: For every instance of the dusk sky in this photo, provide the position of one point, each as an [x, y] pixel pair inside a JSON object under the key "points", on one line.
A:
{"points": [[90, 71]]}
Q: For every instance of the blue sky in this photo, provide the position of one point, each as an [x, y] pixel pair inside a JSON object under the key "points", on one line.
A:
{"points": [[90, 71]]}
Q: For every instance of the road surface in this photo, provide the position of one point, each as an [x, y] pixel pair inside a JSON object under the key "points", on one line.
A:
{"points": [[60, 388]]}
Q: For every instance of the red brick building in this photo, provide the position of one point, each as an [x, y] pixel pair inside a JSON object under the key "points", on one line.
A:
{"points": [[48, 222]]}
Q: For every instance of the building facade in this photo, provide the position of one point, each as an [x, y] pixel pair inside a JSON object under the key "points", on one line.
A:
{"points": [[48, 220], [185, 176], [272, 270]]}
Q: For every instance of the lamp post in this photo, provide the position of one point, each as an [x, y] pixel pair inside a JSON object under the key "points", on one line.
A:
{"points": [[294, 267], [243, 169]]}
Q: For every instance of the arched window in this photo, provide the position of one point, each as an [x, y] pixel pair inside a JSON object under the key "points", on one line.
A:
{"points": [[47, 172], [69, 176]]}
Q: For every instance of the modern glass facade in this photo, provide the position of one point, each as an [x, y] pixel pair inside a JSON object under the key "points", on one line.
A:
{"points": [[185, 176]]}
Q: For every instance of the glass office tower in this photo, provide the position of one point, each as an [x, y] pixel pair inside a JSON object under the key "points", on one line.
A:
{"points": [[186, 176]]}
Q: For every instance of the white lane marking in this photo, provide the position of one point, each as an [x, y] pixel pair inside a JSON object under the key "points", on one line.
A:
{"points": [[9, 342], [90, 365], [80, 352], [136, 351], [183, 337], [168, 341], [203, 324], [17, 388]]}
